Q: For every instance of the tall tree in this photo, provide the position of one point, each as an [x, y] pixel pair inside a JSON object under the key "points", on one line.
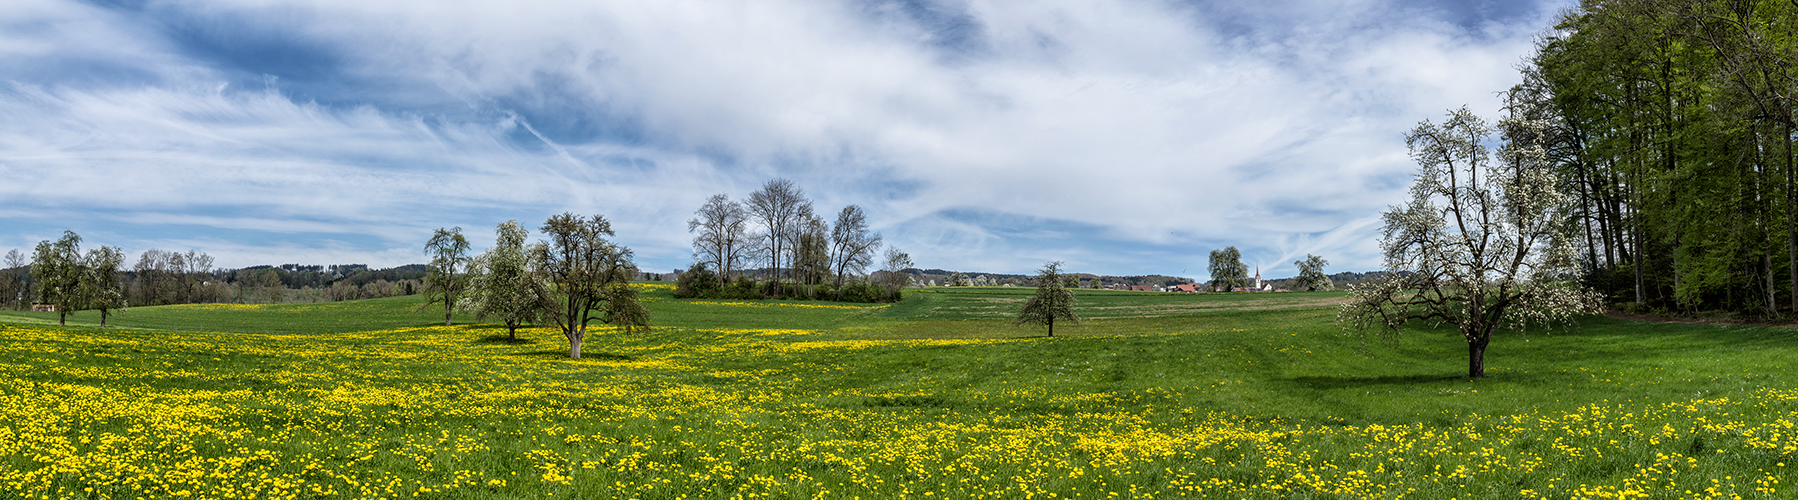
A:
{"points": [[1052, 300], [449, 254], [100, 285], [502, 283], [582, 267], [12, 281], [722, 239], [1227, 270], [57, 266], [1480, 244], [852, 246], [1311, 275], [778, 206]]}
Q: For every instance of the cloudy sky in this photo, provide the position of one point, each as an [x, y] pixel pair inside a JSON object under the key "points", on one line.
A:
{"points": [[1127, 137]]}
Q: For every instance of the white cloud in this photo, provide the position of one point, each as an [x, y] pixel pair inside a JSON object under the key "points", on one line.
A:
{"points": [[1277, 129]]}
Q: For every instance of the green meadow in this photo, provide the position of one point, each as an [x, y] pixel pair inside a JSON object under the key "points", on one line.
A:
{"points": [[1151, 396]]}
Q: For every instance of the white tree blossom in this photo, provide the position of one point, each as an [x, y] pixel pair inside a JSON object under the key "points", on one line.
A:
{"points": [[1480, 245]]}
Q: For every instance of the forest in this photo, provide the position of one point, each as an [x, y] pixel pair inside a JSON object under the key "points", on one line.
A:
{"points": [[1673, 128]]}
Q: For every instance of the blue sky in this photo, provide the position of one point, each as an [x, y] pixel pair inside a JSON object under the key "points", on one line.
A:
{"points": [[1120, 137]]}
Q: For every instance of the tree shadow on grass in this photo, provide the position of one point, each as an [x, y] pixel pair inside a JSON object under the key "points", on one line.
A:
{"points": [[502, 338], [1361, 382], [585, 356]]}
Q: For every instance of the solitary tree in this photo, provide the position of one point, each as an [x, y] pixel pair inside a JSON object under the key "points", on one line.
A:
{"points": [[1311, 275], [582, 267], [1480, 245], [1227, 270], [721, 238], [100, 285], [449, 254], [1052, 300], [502, 283], [59, 274]]}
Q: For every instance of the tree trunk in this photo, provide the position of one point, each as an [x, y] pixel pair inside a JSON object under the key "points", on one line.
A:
{"points": [[1476, 356], [1791, 220], [512, 332], [447, 306], [1051, 326], [574, 341], [102, 318], [62, 317]]}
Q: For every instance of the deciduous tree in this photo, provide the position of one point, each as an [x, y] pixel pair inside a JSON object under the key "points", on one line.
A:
{"points": [[779, 206], [100, 285], [722, 235], [1052, 300], [502, 284], [1480, 244], [57, 266], [449, 254], [1311, 275], [1227, 270], [582, 266], [852, 246]]}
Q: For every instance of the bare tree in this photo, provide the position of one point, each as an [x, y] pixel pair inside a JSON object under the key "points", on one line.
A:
{"points": [[1479, 245], [852, 246], [893, 274], [778, 206], [449, 253], [723, 239], [15, 277]]}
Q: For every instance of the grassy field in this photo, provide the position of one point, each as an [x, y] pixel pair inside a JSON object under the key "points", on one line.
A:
{"points": [[1154, 396]]}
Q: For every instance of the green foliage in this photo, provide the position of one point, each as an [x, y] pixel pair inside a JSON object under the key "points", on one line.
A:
{"points": [[1672, 126], [1051, 301], [59, 272], [449, 255], [1311, 276], [1227, 270]]}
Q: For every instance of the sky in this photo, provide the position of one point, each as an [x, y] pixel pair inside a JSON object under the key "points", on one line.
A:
{"points": [[1122, 138]]}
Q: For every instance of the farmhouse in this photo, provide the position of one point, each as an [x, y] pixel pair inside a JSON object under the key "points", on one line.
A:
{"points": [[43, 307]]}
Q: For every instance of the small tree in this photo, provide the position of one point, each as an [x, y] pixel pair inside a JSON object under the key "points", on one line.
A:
{"points": [[59, 274], [958, 279], [502, 283], [449, 254], [12, 280], [1311, 275], [893, 274], [100, 285], [1052, 301], [1479, 245], [1227, 270]]}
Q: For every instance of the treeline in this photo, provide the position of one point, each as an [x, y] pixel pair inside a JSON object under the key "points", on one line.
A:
{"points": [[942, 277], [804, 256], [52, 275], [1671, 123]]}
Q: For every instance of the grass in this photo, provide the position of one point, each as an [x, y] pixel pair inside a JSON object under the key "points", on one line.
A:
{"points": [[1152, 396]]}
